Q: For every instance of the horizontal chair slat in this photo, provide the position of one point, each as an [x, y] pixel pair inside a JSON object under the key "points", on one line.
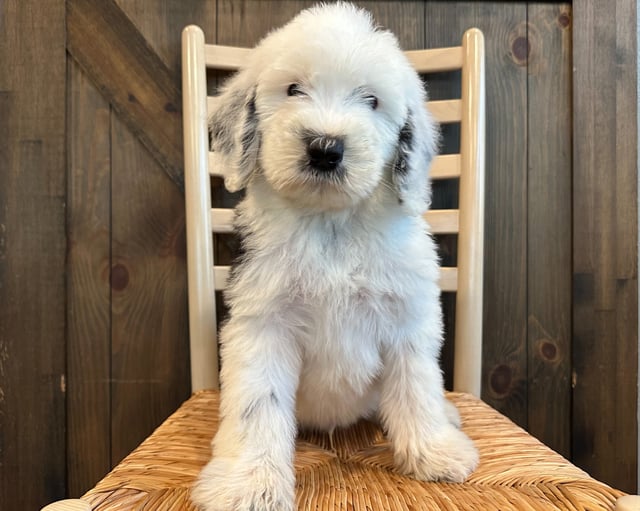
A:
{"points": [[220, 277], [443, 221], [224, 57], [445, 166], [436, 60], [222, 220], [448, 278], [446, 111], [215, 167], [424, 61], [440, 221]]}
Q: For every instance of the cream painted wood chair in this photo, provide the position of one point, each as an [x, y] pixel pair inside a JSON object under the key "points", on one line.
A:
{"points": [[355, 469], [467, 222]]}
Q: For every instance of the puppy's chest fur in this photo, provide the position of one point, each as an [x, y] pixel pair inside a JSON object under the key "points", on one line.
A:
{"points": [[354, 297], [347, 285], [351, 273]]}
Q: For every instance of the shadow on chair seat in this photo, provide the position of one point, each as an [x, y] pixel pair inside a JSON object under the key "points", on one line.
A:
{"points": [[354, 469]]}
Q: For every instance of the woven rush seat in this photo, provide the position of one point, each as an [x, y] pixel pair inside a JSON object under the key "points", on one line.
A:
{"points": [[353, 470]]}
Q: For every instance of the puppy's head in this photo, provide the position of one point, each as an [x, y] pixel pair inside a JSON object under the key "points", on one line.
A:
{"points": [[328, 109]]}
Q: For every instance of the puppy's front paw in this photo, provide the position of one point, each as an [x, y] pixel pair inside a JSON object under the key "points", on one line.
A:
{"points": [[233, 485], [449, 455]]}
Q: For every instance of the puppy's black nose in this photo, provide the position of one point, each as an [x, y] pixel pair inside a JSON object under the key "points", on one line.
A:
{"points": [[325, 153]]}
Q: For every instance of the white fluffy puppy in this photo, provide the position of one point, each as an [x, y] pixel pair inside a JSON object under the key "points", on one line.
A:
{"points": [[334, 307]]}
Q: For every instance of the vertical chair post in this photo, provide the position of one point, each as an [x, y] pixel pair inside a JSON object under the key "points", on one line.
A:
{"points": [[202, 307], [467, 375]]}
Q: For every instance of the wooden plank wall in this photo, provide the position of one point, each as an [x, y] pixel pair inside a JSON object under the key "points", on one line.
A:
{"points": [[605, 226], [32, 253], [128, 327], [528, 280], [561, 244]]}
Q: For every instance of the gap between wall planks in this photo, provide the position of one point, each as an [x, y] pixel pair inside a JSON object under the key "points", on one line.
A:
{"points": [[32, 254]]}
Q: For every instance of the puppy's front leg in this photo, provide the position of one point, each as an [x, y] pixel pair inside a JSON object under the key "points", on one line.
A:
{"points": [[253, 449], [426, 443]]}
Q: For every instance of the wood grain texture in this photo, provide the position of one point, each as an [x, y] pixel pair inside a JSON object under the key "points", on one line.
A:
{"points": [[526, 341], [32, 254], [149, 324], [88, 290], [406, 20], [548, 56], [505, 316], [605, 312], [161, 24], [131, 76], [245, 22], [159, 382]]}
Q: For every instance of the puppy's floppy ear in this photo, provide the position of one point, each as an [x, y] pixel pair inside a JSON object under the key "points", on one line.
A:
{"points": [[417, 146], [233, 131]]}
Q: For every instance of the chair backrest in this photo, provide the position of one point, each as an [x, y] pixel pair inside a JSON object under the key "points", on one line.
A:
{"points": [[466, 279]]}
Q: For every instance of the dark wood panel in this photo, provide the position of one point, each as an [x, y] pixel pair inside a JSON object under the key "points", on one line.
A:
{"points": [[549, 224], [131, 76], [605, 314], [88, 291], [32, 254], [149, 325], [245, 22], [405, 20], [163, 30], [526, 359], [505, 317], [162, 387]]}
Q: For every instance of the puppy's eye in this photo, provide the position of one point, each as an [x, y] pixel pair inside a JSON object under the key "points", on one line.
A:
{"points": [[372, 101], [295, 90]]}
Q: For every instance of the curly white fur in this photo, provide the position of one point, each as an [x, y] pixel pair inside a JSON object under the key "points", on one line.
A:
{"points": [[334, 307]]}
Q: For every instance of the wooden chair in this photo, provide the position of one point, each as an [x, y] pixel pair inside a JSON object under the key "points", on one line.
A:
{"points": [[353, 470]]}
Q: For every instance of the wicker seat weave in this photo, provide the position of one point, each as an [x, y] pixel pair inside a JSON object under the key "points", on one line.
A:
{"points": [[353, 470]]}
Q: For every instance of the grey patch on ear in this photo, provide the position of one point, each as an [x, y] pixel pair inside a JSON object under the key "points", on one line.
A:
{"points": [[223, 122], [415, 149], [405, 145], [220, 124], [234, 135], [242, 253], [250, 139]]}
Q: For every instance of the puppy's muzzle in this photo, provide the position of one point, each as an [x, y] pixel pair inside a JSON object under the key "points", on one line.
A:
{"points": [[325, 152]]}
